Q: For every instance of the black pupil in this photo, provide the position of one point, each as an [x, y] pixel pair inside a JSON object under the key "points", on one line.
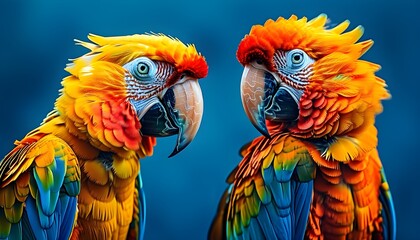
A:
{"points": [[143, 68], [296, 57]]}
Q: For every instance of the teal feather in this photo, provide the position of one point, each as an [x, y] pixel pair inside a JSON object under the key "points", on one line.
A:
{"points": [[142, 207], [389, 223], [49, 193], [16, 231], [72, 187], [45, 220]]}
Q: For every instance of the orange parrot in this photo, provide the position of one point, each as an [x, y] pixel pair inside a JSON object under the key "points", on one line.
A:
{"points": [[78, 174], [316, 172]]}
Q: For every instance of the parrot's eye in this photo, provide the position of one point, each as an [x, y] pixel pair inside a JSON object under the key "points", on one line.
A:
{"points": [[142, 68], [296, 58]]}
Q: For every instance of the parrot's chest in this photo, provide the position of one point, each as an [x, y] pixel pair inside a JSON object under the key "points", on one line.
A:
{"points": [[106, 200]]}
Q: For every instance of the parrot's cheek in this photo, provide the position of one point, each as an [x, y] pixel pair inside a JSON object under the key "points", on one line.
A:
{"points": [[157, 122], [284, 105], [178, 112]]}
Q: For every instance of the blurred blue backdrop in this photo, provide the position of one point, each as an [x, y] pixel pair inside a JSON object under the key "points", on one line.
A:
{"points": [[183, 192]]}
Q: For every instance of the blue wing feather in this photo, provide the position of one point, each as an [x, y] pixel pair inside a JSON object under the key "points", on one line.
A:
{"points": [[288, 220], [254, 229], [281, 225], [67, 206], [286, 214], [300, 207], [62, 220], [142, 207], [268, 197], [31, 226], [389, 223], [267, 224]]}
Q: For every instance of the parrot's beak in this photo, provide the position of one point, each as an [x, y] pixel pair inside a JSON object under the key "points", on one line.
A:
{"points": [[265, 97], [177, 111]]}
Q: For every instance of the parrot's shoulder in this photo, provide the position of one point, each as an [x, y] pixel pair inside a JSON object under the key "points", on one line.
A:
{"points": [[269, 160], [280, 150], [38, 150]]}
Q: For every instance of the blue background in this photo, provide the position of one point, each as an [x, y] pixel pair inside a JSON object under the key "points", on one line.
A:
{"points": [[183, 192]]}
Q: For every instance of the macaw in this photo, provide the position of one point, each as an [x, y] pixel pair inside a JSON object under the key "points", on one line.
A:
{"points": [[315, 173], [78, 174]]}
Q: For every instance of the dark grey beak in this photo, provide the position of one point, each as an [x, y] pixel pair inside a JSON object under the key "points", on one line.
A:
{"points": [[179, 111], [266, 98]]}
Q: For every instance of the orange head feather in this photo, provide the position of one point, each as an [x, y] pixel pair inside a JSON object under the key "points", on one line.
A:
{"points": [[341, 93]]}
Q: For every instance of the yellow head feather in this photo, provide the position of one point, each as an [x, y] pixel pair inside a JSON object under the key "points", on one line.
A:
{"points": [[94, 96], [122, 49]]}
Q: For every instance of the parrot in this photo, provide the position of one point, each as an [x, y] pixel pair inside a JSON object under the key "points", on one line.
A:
{"points": [[315, 173], [77, 175]]}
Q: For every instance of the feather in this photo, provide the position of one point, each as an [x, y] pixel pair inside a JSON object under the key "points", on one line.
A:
{"points": [[67, 215], [255, 230], [354, 34], [14, 213], [318, 21], [340, 28], [32, 222], [301, 203], [365, 46], [343, 149], [5, 226], [87, 45], [281, 194], [16, 231], [389, 223], [266, 224]]}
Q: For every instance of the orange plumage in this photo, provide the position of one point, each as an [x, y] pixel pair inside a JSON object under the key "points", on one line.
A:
{"points": [[305, 82]]}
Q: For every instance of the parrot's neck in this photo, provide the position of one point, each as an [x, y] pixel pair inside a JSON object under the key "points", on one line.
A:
{"points": [[344, 147]]}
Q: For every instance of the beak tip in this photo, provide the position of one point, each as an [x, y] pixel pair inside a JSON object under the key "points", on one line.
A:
{"points": [[188, 110], [177, 150], [262, 128], [266, 134]]}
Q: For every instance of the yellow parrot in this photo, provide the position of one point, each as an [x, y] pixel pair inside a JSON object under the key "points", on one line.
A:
{"points": [[78, 174], [315, 173]]}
